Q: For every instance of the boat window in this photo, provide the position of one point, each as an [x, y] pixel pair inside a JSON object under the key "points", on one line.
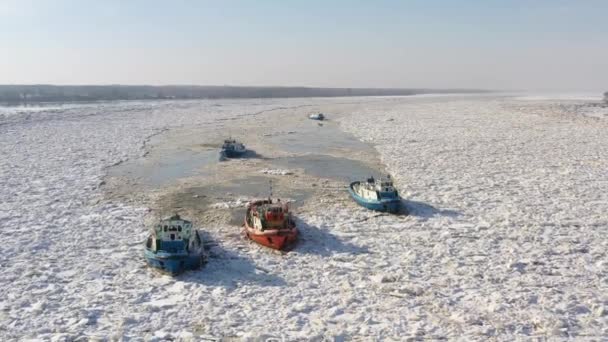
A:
{"points": [[179, 228], [165, 228], [172, 236]]}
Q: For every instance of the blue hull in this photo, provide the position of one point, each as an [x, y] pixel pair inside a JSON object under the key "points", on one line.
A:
{"points": [[390, 205], [232, 153], [173, 264]]}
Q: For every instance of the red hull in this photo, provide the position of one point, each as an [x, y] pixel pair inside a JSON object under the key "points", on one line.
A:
{"points": [[280, 231], [280, 239]]}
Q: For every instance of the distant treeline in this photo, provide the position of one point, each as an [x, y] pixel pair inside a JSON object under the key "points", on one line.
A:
{"points": [[52, 93]]}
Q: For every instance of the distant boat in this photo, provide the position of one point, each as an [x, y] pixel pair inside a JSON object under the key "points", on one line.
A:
{"points": [[376, 194], [174, 246], [270, 224], [318, 116], [232, 149]]}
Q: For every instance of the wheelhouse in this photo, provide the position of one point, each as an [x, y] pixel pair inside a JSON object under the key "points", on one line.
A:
{"points": [[171, 235]]}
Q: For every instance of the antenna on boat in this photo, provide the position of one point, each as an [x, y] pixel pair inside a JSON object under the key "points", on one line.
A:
{"points": [[270, 196]]}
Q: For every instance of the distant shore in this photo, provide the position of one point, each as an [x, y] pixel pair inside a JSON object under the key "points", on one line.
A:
{"points": [[25, 94]]}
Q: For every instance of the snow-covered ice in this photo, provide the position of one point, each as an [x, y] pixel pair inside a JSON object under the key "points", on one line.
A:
{"points": [[238, 203], [278, 172], [506, 237]]}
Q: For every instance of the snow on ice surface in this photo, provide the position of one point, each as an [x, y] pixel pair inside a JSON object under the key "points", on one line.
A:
{"points": [[71, 263], [508, 227], [278, 172], [598, 112], [506, 237], [562, 97], [238, 203]]}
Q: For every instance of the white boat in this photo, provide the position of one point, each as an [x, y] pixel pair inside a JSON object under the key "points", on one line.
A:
{"points": [[318, 116]]}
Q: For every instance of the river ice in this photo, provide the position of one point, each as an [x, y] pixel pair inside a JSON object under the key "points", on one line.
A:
{"points": [[506, 237]]}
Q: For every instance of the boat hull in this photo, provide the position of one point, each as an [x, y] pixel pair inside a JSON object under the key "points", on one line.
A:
{"points": [[233, 153], [281, 239], [174, 264], [390, 205]]}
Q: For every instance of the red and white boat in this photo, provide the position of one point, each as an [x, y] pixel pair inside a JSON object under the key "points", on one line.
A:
{"points": [[269, 223]]}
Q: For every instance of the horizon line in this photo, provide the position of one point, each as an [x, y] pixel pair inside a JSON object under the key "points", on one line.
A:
{"points": [[244, 86]]}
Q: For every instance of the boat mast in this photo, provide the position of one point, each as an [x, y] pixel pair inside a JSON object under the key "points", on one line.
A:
{"points": [[270, 196]]}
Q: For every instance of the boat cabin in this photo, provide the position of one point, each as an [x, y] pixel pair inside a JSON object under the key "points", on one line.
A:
{"points": [[375, 189], [232, 144], [268, 215], [171, 234]]}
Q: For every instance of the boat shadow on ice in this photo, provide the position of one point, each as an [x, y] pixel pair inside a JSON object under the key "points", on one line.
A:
{"points": [[315, 240], [424, 210], [251, 154], [227, 268]]}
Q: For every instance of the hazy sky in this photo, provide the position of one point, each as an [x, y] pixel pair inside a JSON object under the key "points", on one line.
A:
{"points": [[498, 44]]}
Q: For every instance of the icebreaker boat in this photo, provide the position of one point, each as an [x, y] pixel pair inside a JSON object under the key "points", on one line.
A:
{"points": [[376, 194], [318, 116], [269, 223], [174, 246], [232, 149]]}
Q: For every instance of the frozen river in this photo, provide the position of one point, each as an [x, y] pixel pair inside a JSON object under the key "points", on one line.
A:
{"points": [[506, 238]]}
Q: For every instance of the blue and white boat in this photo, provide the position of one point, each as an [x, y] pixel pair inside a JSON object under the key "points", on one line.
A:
{"points": [[232, 149], [174, 246], [317, 116], [376, 194]]}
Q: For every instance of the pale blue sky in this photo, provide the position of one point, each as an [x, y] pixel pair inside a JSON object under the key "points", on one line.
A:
{"points": [[552, 45]]}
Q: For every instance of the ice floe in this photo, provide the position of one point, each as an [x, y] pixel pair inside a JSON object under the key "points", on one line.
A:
{"points": [[506, 237]]}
